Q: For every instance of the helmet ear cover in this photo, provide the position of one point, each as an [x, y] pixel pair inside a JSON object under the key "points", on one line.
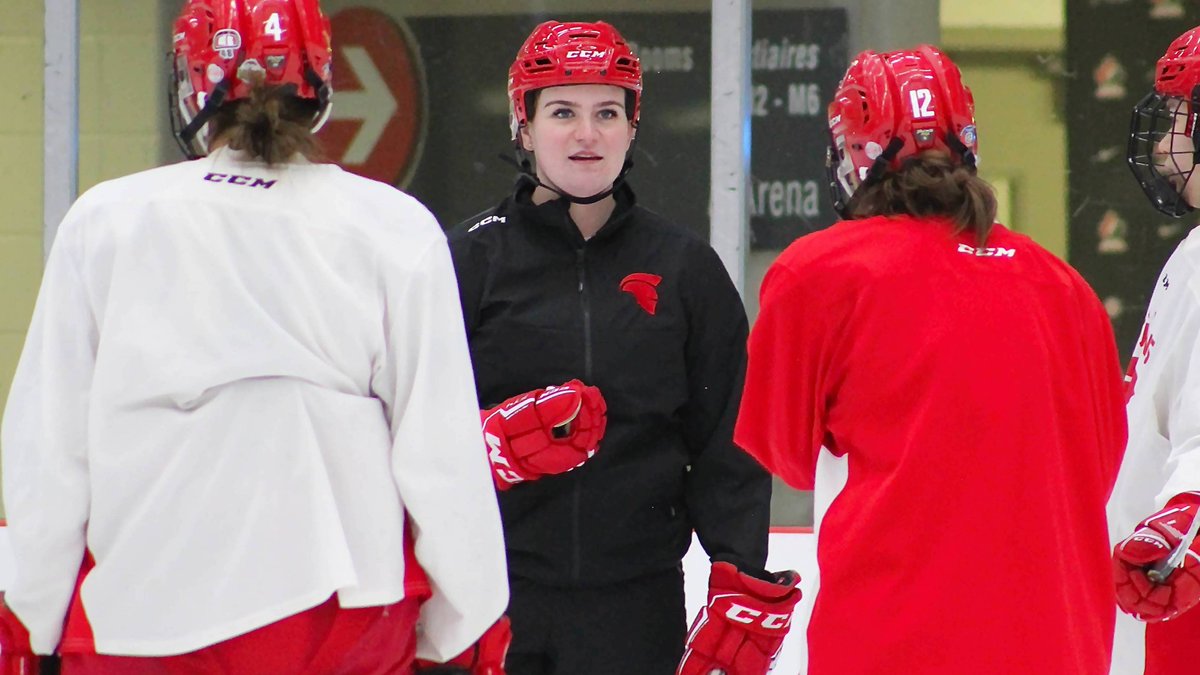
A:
{"points": [[223, 49]]}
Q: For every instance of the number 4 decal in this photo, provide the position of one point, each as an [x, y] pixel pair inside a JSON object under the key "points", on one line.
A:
{"points": [[920, 100], [272, 27]]}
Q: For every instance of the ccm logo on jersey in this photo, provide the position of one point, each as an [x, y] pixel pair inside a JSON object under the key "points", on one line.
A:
{"points": [[234, 179], [767, 620], [586, 53], [989, 252], [487, 221]]}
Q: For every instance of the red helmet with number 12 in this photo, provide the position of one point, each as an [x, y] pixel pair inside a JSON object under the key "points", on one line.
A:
{"points": [[891, 106], [221, 48]]}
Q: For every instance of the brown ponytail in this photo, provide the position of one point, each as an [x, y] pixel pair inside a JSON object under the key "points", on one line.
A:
{"points": [[930, 184], [272, 124]]}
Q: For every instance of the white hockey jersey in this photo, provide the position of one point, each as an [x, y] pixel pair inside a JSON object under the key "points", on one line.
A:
{"points": [[1162, 457], [238, 382]]}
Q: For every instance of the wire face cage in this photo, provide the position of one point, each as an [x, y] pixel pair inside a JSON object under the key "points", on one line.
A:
{"points": [[1163, 150]]}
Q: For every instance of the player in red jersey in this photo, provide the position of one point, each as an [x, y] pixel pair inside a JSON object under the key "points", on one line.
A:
{"points": [[952, 392]]}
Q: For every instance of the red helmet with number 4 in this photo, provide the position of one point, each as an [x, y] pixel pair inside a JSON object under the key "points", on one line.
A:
{"points": [[891, 106], [1163, 134], [223, 47], [557, 54]]}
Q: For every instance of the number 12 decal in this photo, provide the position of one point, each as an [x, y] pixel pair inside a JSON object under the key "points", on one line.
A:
{"points": [[272, 27], [920, 100]]}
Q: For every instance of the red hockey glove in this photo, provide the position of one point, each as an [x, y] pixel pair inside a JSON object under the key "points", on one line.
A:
{"points": [[16, 656], [743, 626], [485, 657], [1151, 542], [543, 432]]}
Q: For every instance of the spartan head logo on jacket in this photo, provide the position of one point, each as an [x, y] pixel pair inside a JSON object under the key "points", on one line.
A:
{"points": [[643, 286]]}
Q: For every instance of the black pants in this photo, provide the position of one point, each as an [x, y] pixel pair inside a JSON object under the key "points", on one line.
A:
{"points": [[634, 628]]}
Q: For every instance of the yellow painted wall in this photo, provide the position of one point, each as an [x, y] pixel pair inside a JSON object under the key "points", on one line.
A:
{"points": [[1022, 142], [121, 90], [1008, 53], [1007, 14], [120, 119], [20, 177]]}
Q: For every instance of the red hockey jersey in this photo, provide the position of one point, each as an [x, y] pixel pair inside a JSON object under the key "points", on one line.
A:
{"points": [[975, 396]]}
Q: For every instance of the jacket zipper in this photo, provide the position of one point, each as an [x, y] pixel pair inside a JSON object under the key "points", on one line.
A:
{"points": [[576, 495]]}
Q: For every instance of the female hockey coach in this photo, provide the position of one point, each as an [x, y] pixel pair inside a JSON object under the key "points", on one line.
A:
{"points": [[569, 280]]}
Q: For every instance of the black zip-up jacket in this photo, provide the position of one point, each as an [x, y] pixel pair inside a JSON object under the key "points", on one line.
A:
{"points": [[543, 306]]}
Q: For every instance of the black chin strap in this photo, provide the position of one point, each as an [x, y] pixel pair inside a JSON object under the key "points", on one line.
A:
{"points": [[960, 148], [188, 133], [525, 167], [882, 162]]}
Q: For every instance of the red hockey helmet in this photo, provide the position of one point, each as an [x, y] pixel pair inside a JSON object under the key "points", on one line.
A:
{"points": [[221, 47], [557, 54], [891, 106], [1163, 134]]}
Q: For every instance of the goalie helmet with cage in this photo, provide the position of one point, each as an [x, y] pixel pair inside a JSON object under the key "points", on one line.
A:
{"points": [[222, 48], [1163, 134], [891, 106]]}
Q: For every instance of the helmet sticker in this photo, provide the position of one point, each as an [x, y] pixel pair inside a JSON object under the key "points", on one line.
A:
{"points": [[226, 43], [587, 54], [214, 73], [921, 101]]}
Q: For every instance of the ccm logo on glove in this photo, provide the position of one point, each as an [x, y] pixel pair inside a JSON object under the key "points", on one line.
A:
{"points": [[742, 628], [746, 615], [1149, 547], [543, 432]]}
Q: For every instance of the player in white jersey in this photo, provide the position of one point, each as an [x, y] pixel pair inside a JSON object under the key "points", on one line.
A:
{"points": [[1158, 489], [245, 405]]}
